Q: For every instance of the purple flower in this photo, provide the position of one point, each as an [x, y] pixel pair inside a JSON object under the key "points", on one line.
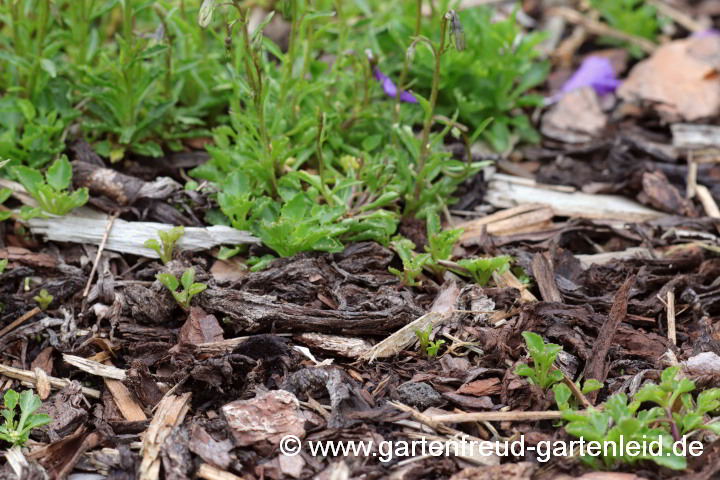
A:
{"points": [[596, 72], [391, 89], [706, 33]]}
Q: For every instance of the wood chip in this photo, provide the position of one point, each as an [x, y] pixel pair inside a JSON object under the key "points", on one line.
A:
{"points": [[170, 413], [129, 237], [209, 472], [545, 278], [505, 194], [129, 408], [43, 384], [440, 313], [95, 368]]}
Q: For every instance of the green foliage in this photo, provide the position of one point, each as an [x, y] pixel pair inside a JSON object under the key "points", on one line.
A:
{"points": [[635, 17], [620, 423], [563, 395], [423, 336], [50, 191], [653, 428], [44, 299], [413, 263], [260, 263], [168, 239], [426, 345], [190, 288], [481, 269], [17, 431], [440, 243], [543, 356], [432, 348], [491, 78], [3, 265]]}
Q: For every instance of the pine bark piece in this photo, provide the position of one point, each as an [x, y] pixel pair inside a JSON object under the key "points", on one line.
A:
{"points": [[265, 418], [596, 367]]}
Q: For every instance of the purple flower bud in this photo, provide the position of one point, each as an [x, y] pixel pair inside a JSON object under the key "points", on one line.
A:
{"points": [[391, 89], [596, 72]]}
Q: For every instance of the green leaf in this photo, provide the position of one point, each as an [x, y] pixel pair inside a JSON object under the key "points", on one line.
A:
{"points": [[188, 278], [30, 178], [11, 399], [59, 174], [168, 280]]}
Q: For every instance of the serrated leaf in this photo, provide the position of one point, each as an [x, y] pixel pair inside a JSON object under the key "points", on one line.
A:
{"points": [[188, 278], [168, 280], [59, 174]]}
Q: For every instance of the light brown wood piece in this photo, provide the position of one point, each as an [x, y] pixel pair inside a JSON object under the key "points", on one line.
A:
{"points": [[671, 317], [170, 413], [57, 383], [208, 472], [19, 321]]}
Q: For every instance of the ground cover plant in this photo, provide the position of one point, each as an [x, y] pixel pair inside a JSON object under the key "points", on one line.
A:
{"points": [[229, 223]]}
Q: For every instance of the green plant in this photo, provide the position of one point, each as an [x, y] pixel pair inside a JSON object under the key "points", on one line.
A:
{"points": [[18, 432], [635, 17], [671, 389], [44, 299], [543, 356], [413, 263], [564, 397], [190, 288], [432, 348], [481, 269], [260, 263], [491, 78], [653, 429], [50, 191], [168, 239], [440, 243], [619, 424], [3, 265]]}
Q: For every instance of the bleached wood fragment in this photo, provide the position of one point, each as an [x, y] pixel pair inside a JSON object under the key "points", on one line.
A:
{"points": [[95, 368], [170, 413], [129, 237], [690, 135], [504, 193]]}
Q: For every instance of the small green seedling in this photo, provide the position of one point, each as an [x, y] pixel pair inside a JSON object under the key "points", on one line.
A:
{"points": [[543, 355], [50, 191], [426, 345], [260, 263], [432, 348], [412, 263], [168, 239], [619, 424], [666, 395], [564, 398], [18, 432], [44, 299], [481, 269], [3, 265], [190, 289], [440, 243]]}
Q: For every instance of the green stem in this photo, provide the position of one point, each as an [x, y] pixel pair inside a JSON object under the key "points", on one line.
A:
{"points": [[420, 180], [320, 159], [161, 13], [40, 29], [255, 80], [291, 47], [17, 40], [406, 68], [128, 71]]}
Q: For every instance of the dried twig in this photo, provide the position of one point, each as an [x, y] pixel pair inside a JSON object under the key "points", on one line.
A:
{"points": [[671, 316], [599, 28], [19, 321], [108, 227], [58, 383]]}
